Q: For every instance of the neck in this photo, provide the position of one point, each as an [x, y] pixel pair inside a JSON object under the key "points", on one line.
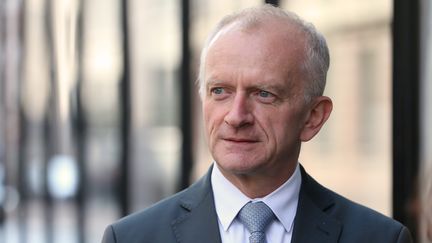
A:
{"points": [[259, 185]]}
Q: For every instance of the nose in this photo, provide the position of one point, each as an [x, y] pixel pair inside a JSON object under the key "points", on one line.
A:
{"points": [[240, 114]]}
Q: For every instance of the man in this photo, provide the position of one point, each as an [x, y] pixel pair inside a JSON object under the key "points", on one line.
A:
{"points": [[262, 77]]}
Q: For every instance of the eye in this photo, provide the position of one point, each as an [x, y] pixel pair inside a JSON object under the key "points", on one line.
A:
{"points": [[217, 91], [265, 96]]}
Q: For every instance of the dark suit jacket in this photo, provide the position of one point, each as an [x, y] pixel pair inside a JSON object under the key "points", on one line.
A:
{"points": [[322, 217]]}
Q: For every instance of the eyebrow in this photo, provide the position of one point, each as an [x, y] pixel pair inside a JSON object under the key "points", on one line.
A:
{"points": [[214, 82], [276, 87], [265, 85], [270, 86]]}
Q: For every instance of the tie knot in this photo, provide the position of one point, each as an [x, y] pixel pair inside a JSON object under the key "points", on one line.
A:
{"points": [[256, 216]]}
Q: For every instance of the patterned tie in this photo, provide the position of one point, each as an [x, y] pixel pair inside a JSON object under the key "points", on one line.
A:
{"points": [[256, 217]]}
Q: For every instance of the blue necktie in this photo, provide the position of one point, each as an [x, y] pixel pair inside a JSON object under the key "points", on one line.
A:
{"points": [[256, 217]]}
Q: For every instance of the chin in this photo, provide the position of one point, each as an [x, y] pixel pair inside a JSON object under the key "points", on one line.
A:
{"points": [[238, 164]]}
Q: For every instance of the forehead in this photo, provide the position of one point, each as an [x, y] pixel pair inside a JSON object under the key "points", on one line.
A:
{"points": [[271, 48]]}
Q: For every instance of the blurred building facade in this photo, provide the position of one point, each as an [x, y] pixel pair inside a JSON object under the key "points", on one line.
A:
{"points": [[100, 116]]}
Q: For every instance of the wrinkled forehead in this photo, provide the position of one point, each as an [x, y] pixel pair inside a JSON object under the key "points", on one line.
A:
{"points": [[269, 52], [276, 47], [277, 33], [279, 41]]}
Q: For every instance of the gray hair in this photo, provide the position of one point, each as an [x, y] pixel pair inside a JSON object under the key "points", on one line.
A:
{"points": [[316, 63]]}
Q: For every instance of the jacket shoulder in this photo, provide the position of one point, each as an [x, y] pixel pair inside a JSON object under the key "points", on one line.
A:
{"points": [[155, 222], [359, 223], [364, 223]]}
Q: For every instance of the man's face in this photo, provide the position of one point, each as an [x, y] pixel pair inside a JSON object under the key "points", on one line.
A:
{"points": [[253, 105]]}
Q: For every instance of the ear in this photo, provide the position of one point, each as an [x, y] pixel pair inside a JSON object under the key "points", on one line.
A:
{"points": [[318, 114]]}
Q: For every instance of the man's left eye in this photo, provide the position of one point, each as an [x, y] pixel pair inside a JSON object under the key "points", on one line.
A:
{"points": [[264, 94]]}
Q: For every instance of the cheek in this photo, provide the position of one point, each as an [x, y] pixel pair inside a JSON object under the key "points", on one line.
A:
{"points": [[211, 117], [207, 119], [276, 132], [207, 110], [280, 127]]}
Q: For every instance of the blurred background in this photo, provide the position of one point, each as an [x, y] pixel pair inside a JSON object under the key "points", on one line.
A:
{"points": [[100, 117]]}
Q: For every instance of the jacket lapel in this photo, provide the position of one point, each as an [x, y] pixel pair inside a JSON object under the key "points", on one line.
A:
{"points": [[200, 219], [311, 223]]}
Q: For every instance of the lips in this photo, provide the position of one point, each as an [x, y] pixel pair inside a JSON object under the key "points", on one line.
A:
{"points": [[240, 140]]}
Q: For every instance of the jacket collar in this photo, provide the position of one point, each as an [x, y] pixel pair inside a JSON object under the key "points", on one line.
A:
{"points": [[200, 219], [312, 223]]}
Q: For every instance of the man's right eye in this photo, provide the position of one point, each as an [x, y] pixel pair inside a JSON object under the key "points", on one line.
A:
{"points": [[217, 90]]}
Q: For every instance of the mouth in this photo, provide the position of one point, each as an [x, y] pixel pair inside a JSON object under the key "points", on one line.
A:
{"points": [[240, 140]]}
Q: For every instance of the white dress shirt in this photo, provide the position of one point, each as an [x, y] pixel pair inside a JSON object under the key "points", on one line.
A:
{"points": [[229, 200]]}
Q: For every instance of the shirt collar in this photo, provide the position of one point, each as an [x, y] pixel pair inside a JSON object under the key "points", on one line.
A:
{"points": [[229, 199]]}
